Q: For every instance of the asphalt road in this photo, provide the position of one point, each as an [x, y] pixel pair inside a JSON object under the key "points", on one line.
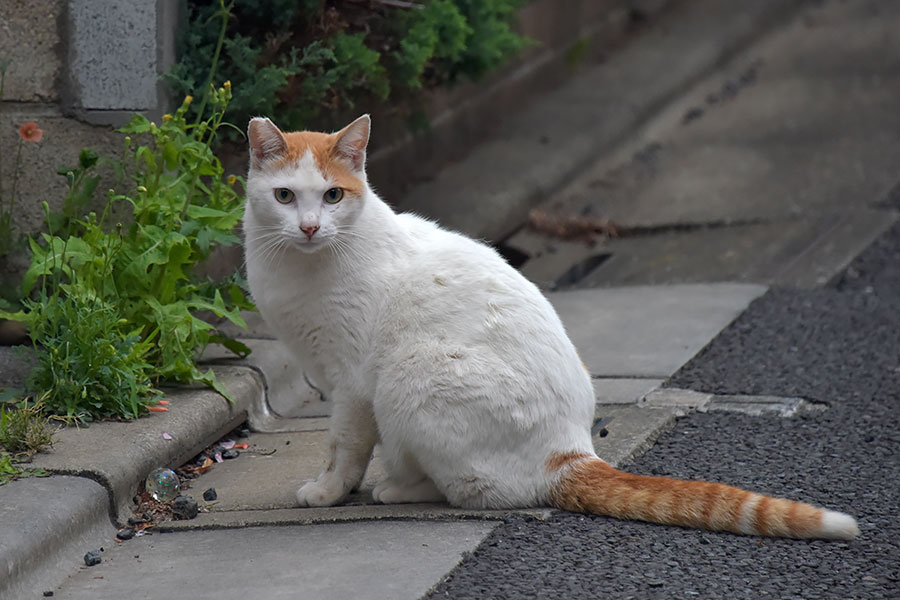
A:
{"points": [[839, 345]]}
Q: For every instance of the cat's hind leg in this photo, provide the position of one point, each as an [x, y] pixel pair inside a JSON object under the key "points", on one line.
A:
{"points": [[391, 492], [406, 481]]}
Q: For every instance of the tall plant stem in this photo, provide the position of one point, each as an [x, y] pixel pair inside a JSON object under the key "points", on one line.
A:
{"points": [[15, 182], [226, 13]]}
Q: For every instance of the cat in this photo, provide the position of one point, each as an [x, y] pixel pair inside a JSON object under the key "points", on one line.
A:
{"points": [[430, 344]]}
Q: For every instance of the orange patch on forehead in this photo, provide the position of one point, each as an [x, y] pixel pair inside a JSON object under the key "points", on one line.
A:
{"points": [[321, 148]]}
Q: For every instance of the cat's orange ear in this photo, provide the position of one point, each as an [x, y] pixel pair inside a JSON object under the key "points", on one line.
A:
{"points": [[266, 141], [351, 142]]}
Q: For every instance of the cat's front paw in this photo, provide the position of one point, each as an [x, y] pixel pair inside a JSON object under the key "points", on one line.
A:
{"points": [[324, 491]]}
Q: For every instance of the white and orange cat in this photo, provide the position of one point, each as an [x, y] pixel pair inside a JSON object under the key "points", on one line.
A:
{"points": [[428, 343]]}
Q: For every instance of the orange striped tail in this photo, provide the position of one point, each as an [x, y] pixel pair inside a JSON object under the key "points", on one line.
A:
{"points": [[590, 485]]}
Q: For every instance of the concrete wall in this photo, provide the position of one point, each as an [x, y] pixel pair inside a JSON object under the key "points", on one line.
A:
{"points": [[77, 68]]}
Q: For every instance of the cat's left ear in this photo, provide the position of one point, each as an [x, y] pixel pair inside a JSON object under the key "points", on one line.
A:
{"points": [[352, 141]]}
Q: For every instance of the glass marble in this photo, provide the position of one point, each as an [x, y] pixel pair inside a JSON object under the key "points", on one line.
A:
{"points": [[163, 485]]}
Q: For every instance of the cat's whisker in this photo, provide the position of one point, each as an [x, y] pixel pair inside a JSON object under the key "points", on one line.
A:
{"points": [[264, 247], [270, 248]]}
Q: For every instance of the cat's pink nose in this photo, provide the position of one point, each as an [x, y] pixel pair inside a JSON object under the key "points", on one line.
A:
{"points": [[309, 230]]}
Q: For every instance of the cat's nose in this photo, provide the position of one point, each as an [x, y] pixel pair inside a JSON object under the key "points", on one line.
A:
{"points": [[309, 230]]}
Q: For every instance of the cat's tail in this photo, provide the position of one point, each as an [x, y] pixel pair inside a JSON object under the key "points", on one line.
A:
{"points": [[588, 484]]}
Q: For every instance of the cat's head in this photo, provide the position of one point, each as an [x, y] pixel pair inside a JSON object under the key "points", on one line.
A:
{"points": [[304, 188]]}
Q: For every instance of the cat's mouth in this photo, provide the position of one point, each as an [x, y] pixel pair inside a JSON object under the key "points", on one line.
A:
{"points": [[304, 244]]}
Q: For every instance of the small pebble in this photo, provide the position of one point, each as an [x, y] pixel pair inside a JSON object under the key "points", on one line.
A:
{"points": [[210, 495], [92, 558], [185, 507], [136, 521], [48, 593], [230, 453], [125, 534]]}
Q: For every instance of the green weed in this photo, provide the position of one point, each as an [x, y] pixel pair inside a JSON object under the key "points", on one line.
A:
{"points": [[10, 470], [24, 429]]}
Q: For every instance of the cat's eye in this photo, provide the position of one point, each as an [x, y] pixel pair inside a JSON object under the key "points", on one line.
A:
{"points": [[334, 195], [284, 195]]}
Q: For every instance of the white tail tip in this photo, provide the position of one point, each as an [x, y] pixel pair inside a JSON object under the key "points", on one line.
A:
{"points": [[837, 525]]}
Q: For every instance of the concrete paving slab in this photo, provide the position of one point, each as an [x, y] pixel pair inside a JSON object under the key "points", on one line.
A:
{"points": [[119, 455], [46, 526], [631, 431], [685, 400], [259, 480], [798, 252], [623, 391], [760, 405], [374, 560], [648, 331]]}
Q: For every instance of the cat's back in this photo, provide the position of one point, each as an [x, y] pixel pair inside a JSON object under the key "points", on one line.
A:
{"points": [[449, 280]]}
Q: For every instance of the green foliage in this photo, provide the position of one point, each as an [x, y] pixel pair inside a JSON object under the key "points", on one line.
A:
{"points": [[118, 303], [10, 471], [438, 32], [305, 62], [24, 429]]}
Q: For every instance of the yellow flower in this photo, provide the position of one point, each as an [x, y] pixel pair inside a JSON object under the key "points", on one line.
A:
{"points": [[166, 118], [227, 85], [188, 100], [231, 180]]}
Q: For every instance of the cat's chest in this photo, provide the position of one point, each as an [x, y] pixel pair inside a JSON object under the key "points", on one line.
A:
{"points": [[325, 322]]}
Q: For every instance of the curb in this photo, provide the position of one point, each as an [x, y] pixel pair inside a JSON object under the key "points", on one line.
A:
{"points": [[57, 520], [61, 517], [196, 418]]}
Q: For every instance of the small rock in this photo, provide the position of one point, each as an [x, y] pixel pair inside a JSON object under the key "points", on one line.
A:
{"points": [[210, 495], [92, 558], [230, 453], [185, 508], [125, 534], [243, 432], [48, 593], [692, 115], [136, 521]]}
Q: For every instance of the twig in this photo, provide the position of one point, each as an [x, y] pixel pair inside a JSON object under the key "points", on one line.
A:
{"points": [[570, 228]]}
